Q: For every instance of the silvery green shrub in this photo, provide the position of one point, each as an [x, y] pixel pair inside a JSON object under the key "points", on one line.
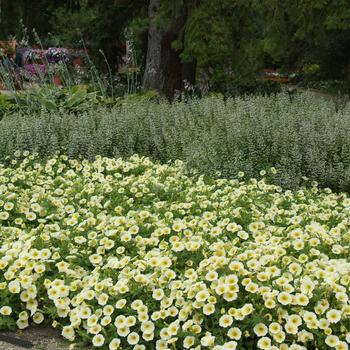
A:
{"points": [[305, 136]]}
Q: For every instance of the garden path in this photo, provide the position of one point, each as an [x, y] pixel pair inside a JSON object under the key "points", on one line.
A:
{"points": [[42, 338]]}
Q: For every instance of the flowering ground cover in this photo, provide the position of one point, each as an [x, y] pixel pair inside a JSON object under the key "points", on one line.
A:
{"points": [[135, 255]]}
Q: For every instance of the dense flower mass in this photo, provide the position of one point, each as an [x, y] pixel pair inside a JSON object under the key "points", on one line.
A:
{"points": [[128, 254]]}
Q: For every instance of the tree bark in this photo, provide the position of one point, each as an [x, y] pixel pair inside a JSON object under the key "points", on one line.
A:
{"points": [[164, 70]]}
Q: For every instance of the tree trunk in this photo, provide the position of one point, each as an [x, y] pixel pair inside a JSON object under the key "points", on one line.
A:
{"points": [[189, 72], [165, 71]]}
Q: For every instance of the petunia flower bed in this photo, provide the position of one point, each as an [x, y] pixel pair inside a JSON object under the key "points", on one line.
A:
{"points": [[129, 254]]}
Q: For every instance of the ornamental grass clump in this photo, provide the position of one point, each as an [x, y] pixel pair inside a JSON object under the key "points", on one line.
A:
{"points": [[131, 254]]}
